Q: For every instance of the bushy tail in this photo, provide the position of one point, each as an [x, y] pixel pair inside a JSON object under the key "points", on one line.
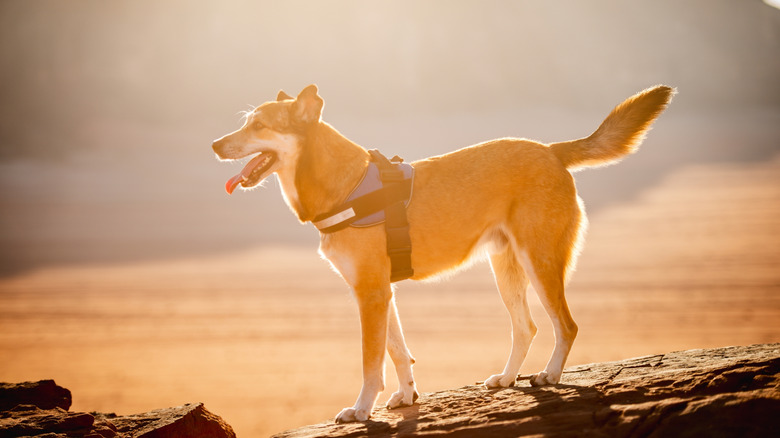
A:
{"points": [[620, 133]]}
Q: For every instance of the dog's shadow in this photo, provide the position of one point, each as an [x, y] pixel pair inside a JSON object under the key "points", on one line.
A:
{"points": [[483, 406]]}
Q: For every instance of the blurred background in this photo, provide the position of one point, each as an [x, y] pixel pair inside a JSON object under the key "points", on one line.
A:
{"points": [[109, 108], [120, 251]]}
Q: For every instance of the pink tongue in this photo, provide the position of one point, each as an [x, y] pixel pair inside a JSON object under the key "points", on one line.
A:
{"points": [[233, 182]]}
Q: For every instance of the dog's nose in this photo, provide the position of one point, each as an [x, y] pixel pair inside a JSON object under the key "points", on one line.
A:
{"points": [[223, 145], [217, 145]]}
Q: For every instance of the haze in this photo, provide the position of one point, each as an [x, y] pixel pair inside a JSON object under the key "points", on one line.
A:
{"points": [[130, 277]]}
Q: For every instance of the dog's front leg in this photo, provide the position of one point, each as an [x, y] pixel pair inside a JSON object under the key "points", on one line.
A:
{"points": [[373, 303], [403, 360]]}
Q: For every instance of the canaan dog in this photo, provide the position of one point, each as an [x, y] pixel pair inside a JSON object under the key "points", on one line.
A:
{"points": [[513, 199]]}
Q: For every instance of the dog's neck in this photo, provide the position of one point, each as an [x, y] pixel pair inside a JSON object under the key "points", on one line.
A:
{"points": [[328, 169]]}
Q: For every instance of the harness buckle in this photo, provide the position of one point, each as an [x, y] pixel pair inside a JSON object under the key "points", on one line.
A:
{"points": [[399, 251]]}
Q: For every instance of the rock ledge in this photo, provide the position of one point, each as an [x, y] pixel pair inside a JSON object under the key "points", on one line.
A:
{"points": [[40, 409], [723, 392]]}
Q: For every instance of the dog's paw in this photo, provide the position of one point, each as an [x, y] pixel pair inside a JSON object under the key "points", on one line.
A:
{"points": [[500, 381], [400, 400], [543, 378], [350, 415]]}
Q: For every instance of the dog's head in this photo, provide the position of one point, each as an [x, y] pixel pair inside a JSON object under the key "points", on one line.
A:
{"points": [[272, 133]]}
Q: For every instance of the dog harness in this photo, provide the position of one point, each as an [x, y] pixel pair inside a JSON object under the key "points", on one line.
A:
{"points": [[381, 196]]}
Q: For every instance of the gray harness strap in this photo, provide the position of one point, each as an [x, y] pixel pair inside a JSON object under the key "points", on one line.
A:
{"points": [[390, 199], [399, 244]]}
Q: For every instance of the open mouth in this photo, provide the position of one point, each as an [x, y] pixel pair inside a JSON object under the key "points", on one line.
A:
{"points": [[254, 172]]}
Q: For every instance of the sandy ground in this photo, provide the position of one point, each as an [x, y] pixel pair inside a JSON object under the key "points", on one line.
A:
{"points": [[268, 338]]}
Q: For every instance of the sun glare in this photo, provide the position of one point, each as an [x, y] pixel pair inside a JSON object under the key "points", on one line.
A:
{"points": [[773, 3]]}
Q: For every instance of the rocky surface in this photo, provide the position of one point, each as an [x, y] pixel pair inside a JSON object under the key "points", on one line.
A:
{"points": [[40, 409], [725, 392], [44, 394]]}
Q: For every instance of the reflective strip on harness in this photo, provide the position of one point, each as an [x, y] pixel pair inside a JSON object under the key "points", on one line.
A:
{"points": [[335, 219]]}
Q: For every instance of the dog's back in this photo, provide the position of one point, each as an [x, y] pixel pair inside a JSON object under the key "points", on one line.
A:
{"points": [[470, 196]]}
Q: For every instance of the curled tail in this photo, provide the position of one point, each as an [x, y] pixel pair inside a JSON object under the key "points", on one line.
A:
{"points": [[620, 133]]}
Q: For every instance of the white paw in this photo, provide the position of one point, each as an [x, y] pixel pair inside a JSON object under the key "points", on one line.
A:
{"points": [[350, 415], [399, 399], [543, 378], [500, 381]]}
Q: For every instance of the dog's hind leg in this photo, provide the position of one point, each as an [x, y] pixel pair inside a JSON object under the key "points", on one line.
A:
{"points": [[373, 303], [548, 277], [403, 360], [512, 284]]}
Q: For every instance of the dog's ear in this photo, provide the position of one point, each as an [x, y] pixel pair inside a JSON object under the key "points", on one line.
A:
{"points": [[307, 107], [283, 96]]}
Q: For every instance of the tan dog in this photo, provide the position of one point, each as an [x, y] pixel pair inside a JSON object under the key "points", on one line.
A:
{"points": [[513, 199]]}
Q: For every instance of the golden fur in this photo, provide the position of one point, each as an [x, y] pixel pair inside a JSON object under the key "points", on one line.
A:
{"points": [[513, 198]]}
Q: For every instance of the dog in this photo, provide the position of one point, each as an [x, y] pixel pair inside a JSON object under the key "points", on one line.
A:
{"points": [[511, 199]]}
